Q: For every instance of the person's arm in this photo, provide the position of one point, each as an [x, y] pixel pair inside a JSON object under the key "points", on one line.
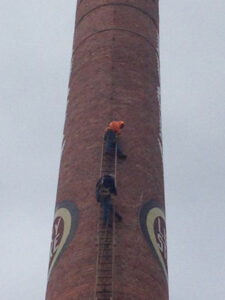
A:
{"points": [[118, 130], [98, 183], [105, 135]]}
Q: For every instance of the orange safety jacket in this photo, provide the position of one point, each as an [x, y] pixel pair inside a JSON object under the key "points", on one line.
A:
{"points": [[115, 126]]}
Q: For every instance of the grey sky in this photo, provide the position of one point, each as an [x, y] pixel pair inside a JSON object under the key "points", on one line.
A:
{"points": [[36, 42]]}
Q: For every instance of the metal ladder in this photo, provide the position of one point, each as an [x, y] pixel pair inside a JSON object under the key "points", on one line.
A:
{"points": [[104, 289]]}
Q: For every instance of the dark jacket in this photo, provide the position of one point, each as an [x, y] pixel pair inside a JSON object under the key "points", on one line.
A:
{"points": [[107, 182]]}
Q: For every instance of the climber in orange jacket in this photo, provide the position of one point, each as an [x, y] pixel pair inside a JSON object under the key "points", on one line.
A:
{"points": [[116, 126], [111, 134]]}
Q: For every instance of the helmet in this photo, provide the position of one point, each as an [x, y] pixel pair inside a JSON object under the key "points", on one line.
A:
{"points": [[122, 124]]}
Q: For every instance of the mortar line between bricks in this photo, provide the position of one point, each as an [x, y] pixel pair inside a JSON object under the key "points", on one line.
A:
{"points": [[117, 4], [118, 29]]}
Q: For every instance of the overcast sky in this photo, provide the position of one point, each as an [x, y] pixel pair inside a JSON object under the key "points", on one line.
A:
{"points": [[35, 50]]}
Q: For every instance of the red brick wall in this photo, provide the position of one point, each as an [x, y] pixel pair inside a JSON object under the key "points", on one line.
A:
{"points": [[114, 76]]}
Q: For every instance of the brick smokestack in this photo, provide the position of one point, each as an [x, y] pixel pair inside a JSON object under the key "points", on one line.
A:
{"points": [[114, 76]]}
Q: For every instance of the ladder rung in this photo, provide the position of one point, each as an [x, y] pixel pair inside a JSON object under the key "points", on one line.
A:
{"points": [[104, 248], [107, 172], [107, 243], [106, 294], [108, 256], [106, 272], [103, 241], [105, 236]]}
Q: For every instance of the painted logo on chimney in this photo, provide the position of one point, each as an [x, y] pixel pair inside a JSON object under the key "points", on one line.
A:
{"points": [[64, 227], [153, 225]]}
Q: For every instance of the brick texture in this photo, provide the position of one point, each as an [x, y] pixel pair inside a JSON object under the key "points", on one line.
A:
{"points": [[114, 76]]}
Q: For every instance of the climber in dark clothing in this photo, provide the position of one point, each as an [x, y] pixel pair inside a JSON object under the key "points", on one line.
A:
{"points": [[111, 137], [105, 187]]}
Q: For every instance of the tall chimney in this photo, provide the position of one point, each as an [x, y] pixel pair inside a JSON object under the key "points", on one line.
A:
{"points": [[114, 76]]}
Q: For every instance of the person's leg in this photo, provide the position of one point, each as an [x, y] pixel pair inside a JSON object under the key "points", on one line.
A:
{"points": [[119, 150], [120, 153], [98, 196], [118, 216], [110, 142], [110, 146], [106, 210]]}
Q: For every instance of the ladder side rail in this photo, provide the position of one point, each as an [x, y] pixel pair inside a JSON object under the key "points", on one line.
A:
{"points": [[97, 260], [98, 228], [102, 238], [114, 226], [113, 251], [100, 253]]}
